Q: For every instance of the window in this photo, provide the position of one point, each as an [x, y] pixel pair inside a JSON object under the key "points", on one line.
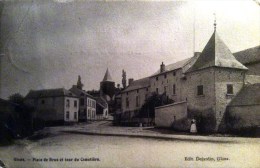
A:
{"points": [[137, 101], [157, 78], [126, 93], [75, 115], [165, 75], [200, 90], [67, 103], [147, 89], [137, 91], [88, 113], [165, 89], [67, 115], [127, 102], [174, 89], [174, 73], [157, 90], [84, 112], [229, 89], [82, 101], [43, 102], [75, 103]]}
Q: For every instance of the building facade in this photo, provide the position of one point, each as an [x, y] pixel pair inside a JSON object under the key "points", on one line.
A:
{"points": [[201, 87], [54, 105], [87, 103]]}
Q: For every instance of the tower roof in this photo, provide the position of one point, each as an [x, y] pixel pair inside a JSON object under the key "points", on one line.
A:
{"points": [[107, 77], [217, 54]]}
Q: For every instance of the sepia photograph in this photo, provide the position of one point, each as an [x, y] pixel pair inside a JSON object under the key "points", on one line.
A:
{"points": [[129, 84]]}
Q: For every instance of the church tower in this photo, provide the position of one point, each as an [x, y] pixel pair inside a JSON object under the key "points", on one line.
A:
{"points": [[107, 87]]}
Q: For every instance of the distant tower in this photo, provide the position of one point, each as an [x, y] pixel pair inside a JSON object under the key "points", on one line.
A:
{"points": [[79, 84], [124, 79], [107, 87]]}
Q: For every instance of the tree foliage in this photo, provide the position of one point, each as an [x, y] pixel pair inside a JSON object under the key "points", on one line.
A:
{"points": [[155, 100], [16, 98]]}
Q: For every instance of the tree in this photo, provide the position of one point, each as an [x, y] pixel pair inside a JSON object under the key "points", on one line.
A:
{"points": [[16, 98], [155, 100]]}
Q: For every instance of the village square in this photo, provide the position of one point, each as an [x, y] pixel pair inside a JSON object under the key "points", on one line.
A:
{"points": [[97, 115]]}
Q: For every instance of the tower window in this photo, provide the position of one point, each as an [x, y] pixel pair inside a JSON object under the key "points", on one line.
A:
{"points": [[229, 89], [174, 73], [157, 90], [165, 75], [157, 78], [200, 90], [75, 103]]}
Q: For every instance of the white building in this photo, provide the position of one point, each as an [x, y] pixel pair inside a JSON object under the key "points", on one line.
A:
{"points": [[54, 105]]}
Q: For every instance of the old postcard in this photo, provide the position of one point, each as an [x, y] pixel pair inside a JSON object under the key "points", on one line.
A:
{"points": [[162, 84]]}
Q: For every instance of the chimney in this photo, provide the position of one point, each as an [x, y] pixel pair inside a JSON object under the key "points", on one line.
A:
{"points": [[162, 67], [130, 81]]}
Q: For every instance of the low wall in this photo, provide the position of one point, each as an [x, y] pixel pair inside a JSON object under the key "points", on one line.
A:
{"points": [[166, 116]]}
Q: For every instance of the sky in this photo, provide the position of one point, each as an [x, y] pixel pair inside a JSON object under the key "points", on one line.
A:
{"points": [[47, 44]]}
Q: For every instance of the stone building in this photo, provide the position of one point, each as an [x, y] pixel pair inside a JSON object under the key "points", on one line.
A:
{"points": [[87, 103], [201, 86], [107, 87], [132, 99], [54, 106]]}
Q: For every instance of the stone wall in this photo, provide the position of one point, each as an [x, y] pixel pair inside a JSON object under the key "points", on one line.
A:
{"points": [[166, 116], [224, 76], [200, 103]]}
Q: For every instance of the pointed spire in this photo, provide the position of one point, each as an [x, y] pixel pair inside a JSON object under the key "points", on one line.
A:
{"points": [[216, 54], [107, 76]]}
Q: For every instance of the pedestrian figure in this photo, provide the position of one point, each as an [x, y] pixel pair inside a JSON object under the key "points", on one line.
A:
{"points": [[193, 127]]}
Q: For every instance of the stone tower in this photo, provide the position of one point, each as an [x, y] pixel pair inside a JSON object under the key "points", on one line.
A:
{"points": [[107, 87]]}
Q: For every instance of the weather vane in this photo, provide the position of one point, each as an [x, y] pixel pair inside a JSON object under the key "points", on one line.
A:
{"points": [[215, 21]]}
